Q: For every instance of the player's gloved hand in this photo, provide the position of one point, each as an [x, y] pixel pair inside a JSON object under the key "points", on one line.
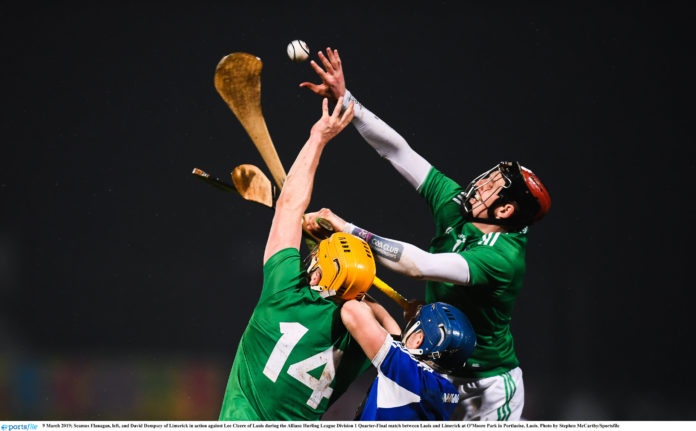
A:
{"points": [[312, 222], [333, 83]]}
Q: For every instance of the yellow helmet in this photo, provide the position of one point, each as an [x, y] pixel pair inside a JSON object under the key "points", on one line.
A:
{"points": [[347, 266]]}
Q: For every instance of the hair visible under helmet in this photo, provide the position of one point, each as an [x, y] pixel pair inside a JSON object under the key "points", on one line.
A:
{"points": [[448, 337], [522, 188], [347, 267]]}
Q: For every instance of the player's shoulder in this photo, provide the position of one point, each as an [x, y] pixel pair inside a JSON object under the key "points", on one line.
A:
{"points": [[282, 272], [495, 248], [503, 240], [286, 257], [422, 376], [499, 241], [437, 182], [402, 354]]}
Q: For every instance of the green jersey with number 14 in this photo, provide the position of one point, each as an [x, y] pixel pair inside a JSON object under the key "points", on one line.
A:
{"points": [[295, 356], [497, 267]]}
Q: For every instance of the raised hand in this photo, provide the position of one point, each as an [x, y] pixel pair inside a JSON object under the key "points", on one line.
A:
{"points": [[333, 83], [329, 126]]}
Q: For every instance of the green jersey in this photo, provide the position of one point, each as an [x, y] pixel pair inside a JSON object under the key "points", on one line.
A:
{"points": [[497, 267], [295, 356]]}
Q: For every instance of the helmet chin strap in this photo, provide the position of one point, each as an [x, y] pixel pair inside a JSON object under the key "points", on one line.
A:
{"points": [[490, 210], [323, 293], [410, 331], [497, 222], [489, 220]]}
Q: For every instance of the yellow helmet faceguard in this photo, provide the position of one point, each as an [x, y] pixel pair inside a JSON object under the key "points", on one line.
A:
{"points": [[347, 266]]}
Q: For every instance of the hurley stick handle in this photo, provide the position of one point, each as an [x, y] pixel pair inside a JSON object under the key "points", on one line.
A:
{"points": [[391, 293]]}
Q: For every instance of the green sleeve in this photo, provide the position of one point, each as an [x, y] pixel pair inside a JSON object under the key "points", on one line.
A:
{"points": [[282, 271], [439, 192]]}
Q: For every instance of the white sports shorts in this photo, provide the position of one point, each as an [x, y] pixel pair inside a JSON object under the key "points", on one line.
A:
{"points": [[497, 398]]}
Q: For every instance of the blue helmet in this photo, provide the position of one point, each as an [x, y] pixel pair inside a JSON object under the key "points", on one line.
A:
{"points": [[448, 337]]}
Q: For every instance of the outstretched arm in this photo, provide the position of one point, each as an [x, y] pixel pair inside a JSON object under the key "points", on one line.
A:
{"points": [[385, 140], [401, 257], [286, 229], [409, 260]]}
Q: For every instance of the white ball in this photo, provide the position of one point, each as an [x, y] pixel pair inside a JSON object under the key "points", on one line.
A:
{"points": [[298, 50]]}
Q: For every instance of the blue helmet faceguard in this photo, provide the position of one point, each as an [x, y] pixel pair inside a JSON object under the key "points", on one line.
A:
{"points": [[448, 337]]}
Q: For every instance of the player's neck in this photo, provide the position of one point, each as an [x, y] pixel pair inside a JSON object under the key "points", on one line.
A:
{"points": [[488, 228]]}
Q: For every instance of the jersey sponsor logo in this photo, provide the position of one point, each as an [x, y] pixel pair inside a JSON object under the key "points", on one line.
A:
{"points": [[450, 398]]}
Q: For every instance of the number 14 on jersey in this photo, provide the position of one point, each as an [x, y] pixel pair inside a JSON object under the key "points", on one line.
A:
{"points": [[292, 332]]}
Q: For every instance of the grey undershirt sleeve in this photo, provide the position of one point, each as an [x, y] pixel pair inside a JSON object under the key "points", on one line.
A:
{"points": [[409, 260], [388, 143]]}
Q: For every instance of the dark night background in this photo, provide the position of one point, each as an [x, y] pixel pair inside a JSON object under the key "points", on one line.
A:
{"points": [[125, 282]]}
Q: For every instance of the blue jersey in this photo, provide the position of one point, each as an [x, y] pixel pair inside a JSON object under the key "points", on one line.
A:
{"points": [[407, 389]]}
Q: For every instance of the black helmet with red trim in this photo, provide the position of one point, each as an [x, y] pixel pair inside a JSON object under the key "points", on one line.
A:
{"points": [[521, 187]]}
